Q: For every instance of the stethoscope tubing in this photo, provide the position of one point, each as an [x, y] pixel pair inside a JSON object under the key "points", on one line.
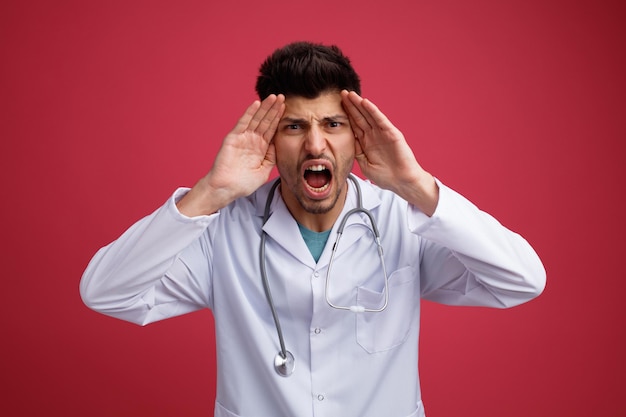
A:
{"points": [[266, 286], [284, 362]]}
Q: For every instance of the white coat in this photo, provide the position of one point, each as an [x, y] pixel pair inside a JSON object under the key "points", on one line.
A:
{"points": [[346, 364]]}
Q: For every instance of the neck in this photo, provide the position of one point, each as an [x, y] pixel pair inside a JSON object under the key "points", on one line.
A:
{"points": [[316, 221]]}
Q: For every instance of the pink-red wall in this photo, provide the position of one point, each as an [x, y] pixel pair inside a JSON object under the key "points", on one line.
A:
{"points": [[107, 106]]}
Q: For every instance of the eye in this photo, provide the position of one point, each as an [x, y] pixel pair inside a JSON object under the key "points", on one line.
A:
{"points": [[334, 124]]}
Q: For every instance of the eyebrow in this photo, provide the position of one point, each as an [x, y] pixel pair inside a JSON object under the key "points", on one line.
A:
{"points": [[334, 118], [297, 120], [293, 120]]}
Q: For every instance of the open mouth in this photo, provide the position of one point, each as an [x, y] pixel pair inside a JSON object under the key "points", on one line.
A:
{"points": [[317, 177]]}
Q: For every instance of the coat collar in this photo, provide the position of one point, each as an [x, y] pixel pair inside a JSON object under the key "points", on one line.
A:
{"points": [[283, 228]]}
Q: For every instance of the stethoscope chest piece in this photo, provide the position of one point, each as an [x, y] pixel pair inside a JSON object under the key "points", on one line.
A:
{"points": [[284, 365]]}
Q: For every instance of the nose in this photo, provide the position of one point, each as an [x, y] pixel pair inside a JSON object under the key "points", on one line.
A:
{"points": [[315, 141]]}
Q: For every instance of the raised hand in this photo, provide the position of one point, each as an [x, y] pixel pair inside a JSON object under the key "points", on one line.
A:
{"points": [[385, 157], [243, 163]]}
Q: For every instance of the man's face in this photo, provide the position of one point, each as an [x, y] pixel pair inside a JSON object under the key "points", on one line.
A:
{"points": [[314, 154]]}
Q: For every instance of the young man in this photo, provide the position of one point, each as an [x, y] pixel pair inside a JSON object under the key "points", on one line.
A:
{"points": [[343, 317]]}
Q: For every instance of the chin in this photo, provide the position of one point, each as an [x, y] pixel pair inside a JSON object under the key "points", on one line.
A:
{"points": [[319, 206]]}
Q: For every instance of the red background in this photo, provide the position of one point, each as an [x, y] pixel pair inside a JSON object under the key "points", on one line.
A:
{"points": [[108, 106]]}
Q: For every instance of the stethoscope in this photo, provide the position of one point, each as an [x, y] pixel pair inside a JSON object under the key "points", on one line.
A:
{"points": [[284, 362]]}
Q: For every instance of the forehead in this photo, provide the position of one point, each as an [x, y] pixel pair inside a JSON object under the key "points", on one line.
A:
{"points": [[325, 105]]}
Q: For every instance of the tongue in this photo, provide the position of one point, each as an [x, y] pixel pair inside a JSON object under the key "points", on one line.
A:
{"points": [[316, 179]]}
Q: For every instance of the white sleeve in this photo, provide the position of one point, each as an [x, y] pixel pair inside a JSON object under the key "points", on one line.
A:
{"points": [[140, 278], [469, 258]]}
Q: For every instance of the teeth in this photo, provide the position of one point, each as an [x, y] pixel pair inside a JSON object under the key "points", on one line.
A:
{"points": [[316, 168], [319, 190]]}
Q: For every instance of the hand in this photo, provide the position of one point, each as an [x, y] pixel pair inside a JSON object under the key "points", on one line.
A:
{"points": [[385, 157], [243, 163]]}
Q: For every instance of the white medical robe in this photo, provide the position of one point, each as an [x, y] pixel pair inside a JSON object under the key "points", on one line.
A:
{"points": [[346, 364]]}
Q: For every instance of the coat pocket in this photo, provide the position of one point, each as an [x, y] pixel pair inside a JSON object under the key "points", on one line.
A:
{"points": [[378, 332]]}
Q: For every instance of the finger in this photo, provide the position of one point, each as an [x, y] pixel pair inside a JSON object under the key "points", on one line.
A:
{"points": [[244, 121], [265, 111], [352, 111], [370, 112], [360, 157], [269, 134], [374, 116], [358, 149], [270, 157], [352, 104], [358, 132], [269, 123]]}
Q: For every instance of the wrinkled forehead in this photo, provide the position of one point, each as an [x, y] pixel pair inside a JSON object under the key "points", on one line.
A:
{"points": [[324, 106]]}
